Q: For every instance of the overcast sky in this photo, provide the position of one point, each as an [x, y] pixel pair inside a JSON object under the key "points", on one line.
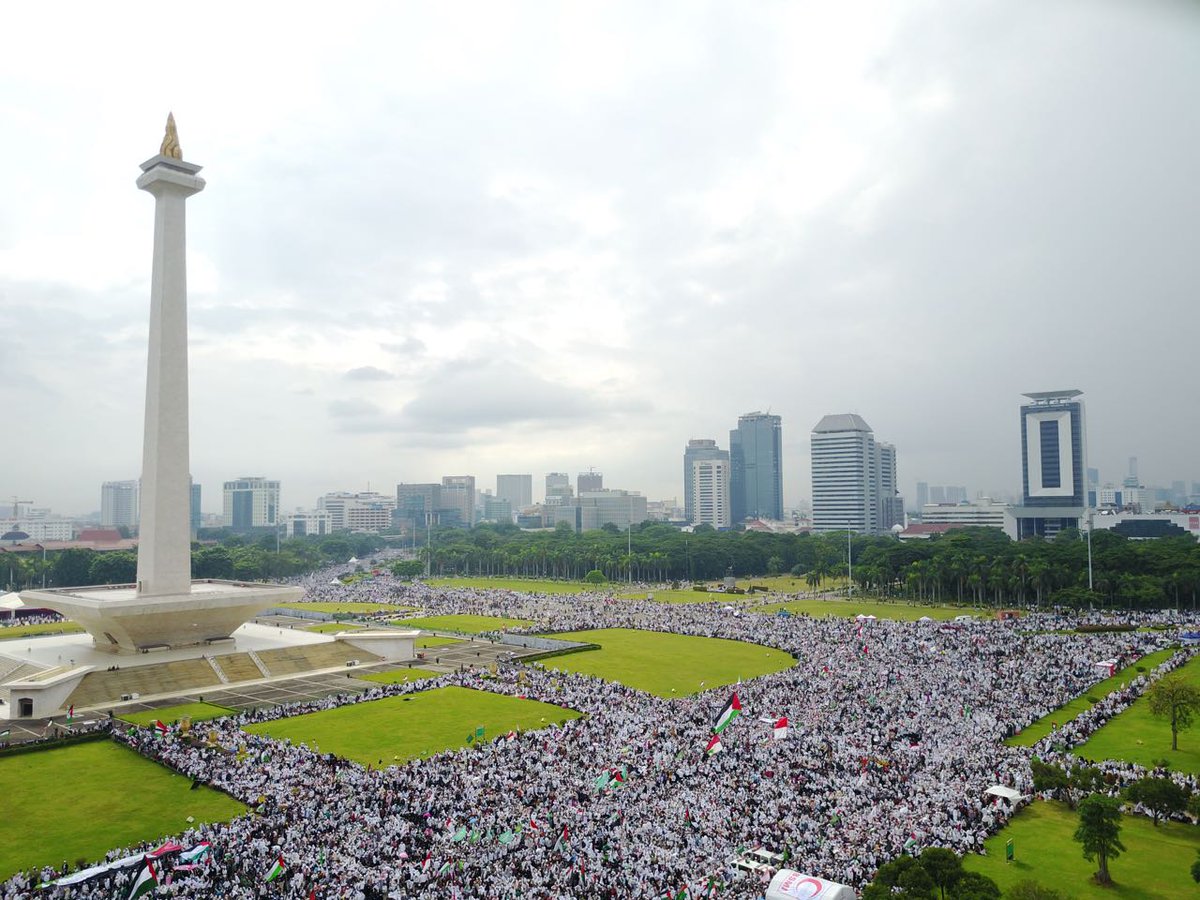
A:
{"points": [[479, 238]]}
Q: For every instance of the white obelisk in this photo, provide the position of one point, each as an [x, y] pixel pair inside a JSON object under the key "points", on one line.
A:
{"points": [[165, 546]]}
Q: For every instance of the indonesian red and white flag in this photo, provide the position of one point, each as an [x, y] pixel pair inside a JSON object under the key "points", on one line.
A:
{"points": [[781, 728]]}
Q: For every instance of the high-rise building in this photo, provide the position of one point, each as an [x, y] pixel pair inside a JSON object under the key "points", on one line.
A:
{"points": [[119, 504], [756, 468], [458, 495], [195, 508], [558, 488], [591, 480], [306, 522], [418, 504], [516, 489], [595, 509], [698, 449], [709, 492], [854, 479], [1053, 463], [497, 509], [922, 494], [365, 512], [250, 502]]}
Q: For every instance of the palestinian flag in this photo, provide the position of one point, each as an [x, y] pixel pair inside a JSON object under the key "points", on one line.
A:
{"points": [[428, 861], [146, 881], [533, 825], [714, 746], [561, 843], [276, 870], [71, 714], [197, 854], [781, 728], [732, 710], [160, 727], [689, 819]]}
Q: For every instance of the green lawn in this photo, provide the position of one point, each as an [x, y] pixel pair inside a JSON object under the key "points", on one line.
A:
{"points": [[397, 729], [400, 676], [422, 643], [668, 664], [171, 714], [19, 631], [85, 799], [331, 627], [681, 596], [463, 624], [1043, 726], [906, 612], [1153, 867], [521, 585], [1137, 736], [348, 606]]}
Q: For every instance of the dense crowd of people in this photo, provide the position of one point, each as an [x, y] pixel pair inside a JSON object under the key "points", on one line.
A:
{"points": [[895, 733]]}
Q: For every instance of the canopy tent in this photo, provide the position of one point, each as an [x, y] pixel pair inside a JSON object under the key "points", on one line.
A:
{"points": [[11, 601], [1005, 793], [790, 885]]}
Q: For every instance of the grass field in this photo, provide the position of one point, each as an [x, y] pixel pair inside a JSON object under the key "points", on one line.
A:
{"points": [[906, 612], [1153, 867], [1043, 726], [83, 800], [422, 643], [19, 631], [397, 729], [668, 665], [681, 596], [348, 606], [171, 714], [1137, 736], [463, 624], [400, 676]]}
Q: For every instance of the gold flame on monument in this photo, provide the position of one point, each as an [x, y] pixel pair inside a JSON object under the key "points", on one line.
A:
{"points": [[170, 144]]}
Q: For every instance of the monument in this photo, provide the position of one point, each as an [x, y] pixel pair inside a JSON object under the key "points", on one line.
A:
{"points": [[165, 609]]}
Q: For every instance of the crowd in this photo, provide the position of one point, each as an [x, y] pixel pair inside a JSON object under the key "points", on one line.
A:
{"points": [[896, 731]]}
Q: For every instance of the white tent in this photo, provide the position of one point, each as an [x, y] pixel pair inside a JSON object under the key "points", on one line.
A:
{"points": [[1007, 793], [11, 601], [789, 885]]}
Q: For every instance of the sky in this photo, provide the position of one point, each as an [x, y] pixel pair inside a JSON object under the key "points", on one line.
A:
{"points": [[476, 238]]}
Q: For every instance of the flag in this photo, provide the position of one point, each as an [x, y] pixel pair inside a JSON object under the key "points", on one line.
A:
{"points": [[197, 854], [781, 728], [731, 711], [533, 825], [160, 727], [6, 732], [146, 881], [428, 861], [507, 837], [689, 819], [277, 869], [714, 746], [562, 840], [446, 867], [71, 714], [470, 737], [459, 835], [479, 733]]}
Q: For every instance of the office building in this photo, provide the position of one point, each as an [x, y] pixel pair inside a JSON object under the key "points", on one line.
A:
{"points": [[984, 513], [922, 494], [250, 502], [696, 450], [516, 489], [854, 478], [308, 522], [119, 504], [418, 504], [558, 488], [591, 480], [1053, 463], [709, 492], [458, 496], [756, 468], [364, 512], [497, 509], [595, 509], [196, 514]]}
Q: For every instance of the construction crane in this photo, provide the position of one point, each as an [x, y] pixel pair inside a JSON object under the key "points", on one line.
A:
{"points": [[17, 506]]}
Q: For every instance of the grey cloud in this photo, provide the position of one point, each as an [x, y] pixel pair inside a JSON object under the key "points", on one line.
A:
{"points": [[353, 409], [368, 373]]}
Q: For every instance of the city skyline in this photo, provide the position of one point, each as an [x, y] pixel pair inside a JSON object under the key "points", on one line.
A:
{"points": [[860, 208]]}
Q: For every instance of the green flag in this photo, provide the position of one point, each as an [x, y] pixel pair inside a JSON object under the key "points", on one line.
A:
{"points": [[459, 835], [1008, 850]]}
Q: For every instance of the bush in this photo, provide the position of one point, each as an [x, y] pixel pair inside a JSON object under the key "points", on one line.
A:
{"points": [[1093, 699], [1141, 668], [595, 577]]}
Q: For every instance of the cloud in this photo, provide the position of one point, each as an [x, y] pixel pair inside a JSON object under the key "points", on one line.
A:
{"points": [[353, 409], [368, 373]]}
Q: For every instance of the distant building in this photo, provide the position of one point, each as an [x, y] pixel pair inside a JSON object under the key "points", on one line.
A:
{"points": [[250, 502], [365, 512], [458, 496], [698, 449], [558, 488], [922, 495], [119, 504], [497, 509], [516, 489], [854, 478], [984, 513], [1053, 463], [418, 504], [756, 467], [196, 513], [305, 522], [595, 509], [709, 491], [591, 480]]}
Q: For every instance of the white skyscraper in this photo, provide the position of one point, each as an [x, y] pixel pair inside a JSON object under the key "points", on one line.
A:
{"points": [[119, 504], [853, 478], [709, 491]]}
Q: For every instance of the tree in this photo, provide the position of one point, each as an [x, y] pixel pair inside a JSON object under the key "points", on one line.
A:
{"points": [[1031, 890], [72, 567], [595, 576], [1173, 698], [1099, 832], [917, 878], [974, 886], [113, 568], [943, 866], [1161, 796], [408, 568], [1196, 867]]}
